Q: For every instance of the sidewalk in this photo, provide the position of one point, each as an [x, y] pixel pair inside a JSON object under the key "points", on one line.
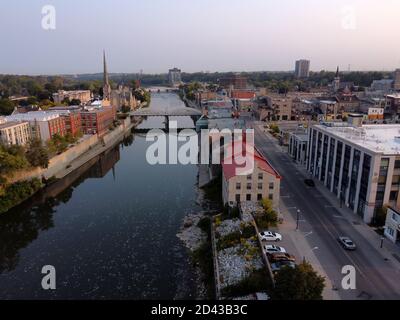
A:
{"points": [[296, 243], [389, 250]]}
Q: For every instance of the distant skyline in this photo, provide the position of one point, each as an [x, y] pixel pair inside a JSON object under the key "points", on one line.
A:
{"points": [[199, 35]]}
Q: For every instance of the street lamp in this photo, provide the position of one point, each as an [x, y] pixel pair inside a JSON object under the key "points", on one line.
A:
{"points": [[297, 218], [382, 238]]}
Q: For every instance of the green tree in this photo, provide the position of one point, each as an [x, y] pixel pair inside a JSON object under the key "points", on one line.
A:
{"points": [[268, 217], [75, 102], [11, 159], [37, 154], [299, 283], [6, 106]]}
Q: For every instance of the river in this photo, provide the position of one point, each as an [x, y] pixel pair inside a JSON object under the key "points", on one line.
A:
{"points": [[109, 229]]}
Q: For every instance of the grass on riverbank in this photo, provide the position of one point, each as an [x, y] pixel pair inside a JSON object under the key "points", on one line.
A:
{"points": [[18, 192]]}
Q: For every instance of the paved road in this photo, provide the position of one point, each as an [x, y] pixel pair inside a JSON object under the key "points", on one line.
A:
{"points": [[322, 223]]}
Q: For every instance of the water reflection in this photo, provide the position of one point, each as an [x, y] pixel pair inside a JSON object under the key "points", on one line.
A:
{"points": [[22, 225]]}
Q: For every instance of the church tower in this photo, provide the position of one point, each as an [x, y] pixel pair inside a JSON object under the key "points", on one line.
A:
{"points": [[106, 84], [336, 81]]}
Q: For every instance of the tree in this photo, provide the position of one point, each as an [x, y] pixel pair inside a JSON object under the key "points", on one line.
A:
{"points": [[37, 154], [267, 217], [6, 106], [11, 159], [299, 283]]}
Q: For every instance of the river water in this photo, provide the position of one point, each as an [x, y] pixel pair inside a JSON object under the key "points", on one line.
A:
{"points": [[109, 229]]}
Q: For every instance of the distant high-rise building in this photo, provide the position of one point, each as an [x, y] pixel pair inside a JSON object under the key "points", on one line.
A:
{"points": [[174, 77], [302, 69], [396, 83]]}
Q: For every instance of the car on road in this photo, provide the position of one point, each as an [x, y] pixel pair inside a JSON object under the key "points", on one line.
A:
{"points": [[276, 266], [309, 182], [271, 248], [347, 243], [280, 256], [270, 236]]}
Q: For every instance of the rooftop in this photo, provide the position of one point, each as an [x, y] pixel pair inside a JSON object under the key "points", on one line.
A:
{"points": [[378, 138], [10, 124], [33, 116]]}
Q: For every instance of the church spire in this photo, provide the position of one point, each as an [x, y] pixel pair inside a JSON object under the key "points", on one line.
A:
{"points": [[105, 75], [106, 84]]}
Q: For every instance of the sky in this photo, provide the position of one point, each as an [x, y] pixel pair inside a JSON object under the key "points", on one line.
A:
{"points": [[198, 35]]}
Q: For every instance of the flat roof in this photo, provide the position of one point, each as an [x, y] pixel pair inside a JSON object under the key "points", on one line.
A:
{"points": [[377, 138], [11, 124]]}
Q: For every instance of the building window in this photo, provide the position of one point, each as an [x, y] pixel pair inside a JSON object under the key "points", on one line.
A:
{"points": [[248, 197], [259, 197], [271, 196], [238, 186], [395, 179], [260, 186], [237, 197], [394, 217], [271, 185], [397, 164], [248, 186], [260, 176], [249, 177], [390, 231], [393, 195]]}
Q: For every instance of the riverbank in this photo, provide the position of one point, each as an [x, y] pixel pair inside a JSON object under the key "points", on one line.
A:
{"points": [[61, 165]]}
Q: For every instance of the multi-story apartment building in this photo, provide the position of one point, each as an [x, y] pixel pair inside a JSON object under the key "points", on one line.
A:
{"points": [[174, 77], [263, 182], [280, 107], [15, 133], [84, 96], [359, 163], [97, 120], [393, 104], [302, 68], [234, 82], [72, 118], [43, 124]]}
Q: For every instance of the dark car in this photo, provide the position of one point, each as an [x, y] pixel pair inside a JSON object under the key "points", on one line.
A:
{"points": [[347, 243], [309, 182], [281, 256], [276, 266]]}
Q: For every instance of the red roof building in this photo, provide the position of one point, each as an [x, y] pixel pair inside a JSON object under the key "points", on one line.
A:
{"points": [[248, 177]]}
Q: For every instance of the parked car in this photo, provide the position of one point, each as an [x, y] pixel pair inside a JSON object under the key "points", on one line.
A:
{"points": [[271, 248], [276, 266], [270, 236], [281, 256], [309, 182], [347, 243]]}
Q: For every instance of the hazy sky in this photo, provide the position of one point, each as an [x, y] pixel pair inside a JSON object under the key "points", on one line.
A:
{"points": [[199, 35]]}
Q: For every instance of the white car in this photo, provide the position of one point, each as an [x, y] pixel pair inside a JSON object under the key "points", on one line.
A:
{"points": [[271, 248], [270, 236]]}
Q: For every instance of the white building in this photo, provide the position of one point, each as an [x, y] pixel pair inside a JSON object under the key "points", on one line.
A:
{"points": [[360, 164], [18, 133], [43, 124], [298, 146], [392, 225]]}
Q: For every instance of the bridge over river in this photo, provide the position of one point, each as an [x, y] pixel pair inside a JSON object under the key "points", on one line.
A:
{"points": [[166, 107]]}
